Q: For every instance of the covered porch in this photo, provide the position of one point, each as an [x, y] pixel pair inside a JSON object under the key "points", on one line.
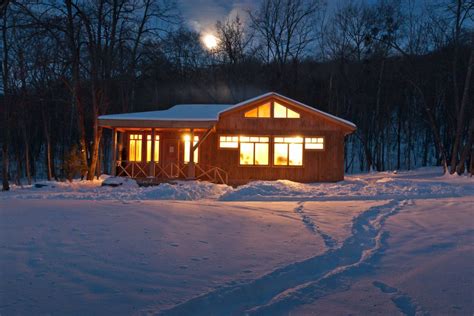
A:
{"points": [[164, 145]]}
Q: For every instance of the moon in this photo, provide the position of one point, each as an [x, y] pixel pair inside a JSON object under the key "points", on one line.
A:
{"points": [[209, 41]]}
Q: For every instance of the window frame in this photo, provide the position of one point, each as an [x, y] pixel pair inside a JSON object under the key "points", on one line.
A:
{"points": [[185, 148], [288, 150], [227, 148], [157, 147], [253, 143], [272, 111], [315, 149], [136, 140]]}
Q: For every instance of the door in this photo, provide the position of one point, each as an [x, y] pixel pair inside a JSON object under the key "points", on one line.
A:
{"points": [[170, 156]]}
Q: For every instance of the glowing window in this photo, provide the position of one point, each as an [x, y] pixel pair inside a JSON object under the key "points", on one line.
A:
{"points": [[229, 142], [254, 150], [156, 156], [260, 111], [135, 147], [314, 143], [281, 111], [288, 151], [187, 150]]}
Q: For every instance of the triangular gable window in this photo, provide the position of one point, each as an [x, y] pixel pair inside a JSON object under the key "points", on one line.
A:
{"points": [[260, 111], [281, 111]]}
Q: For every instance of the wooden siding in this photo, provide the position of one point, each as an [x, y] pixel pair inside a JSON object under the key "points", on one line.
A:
{"points": [[318, 165]]}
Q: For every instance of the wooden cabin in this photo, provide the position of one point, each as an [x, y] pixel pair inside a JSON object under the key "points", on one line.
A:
{"points": [[268, 137]]}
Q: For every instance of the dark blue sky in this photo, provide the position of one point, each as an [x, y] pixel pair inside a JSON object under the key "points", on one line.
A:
{"points": [[201, 15]]}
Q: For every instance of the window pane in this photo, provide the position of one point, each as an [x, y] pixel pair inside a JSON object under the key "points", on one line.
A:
{"points": [[264, 110], [280, 155], [261, 154], [293, 114], [246, 153], [131, 153], [314, 143], [148, 149], [252, 113], [187, 150], [279, 111], [135, 147], [296, 154]]}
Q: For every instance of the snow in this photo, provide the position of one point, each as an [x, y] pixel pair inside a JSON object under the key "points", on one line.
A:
{"points": [[179, 112], [379, 243], [206, 112]]}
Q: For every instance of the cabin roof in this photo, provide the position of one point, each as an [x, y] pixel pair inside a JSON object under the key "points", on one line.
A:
{"points": [[179, 112], [189, 115]]}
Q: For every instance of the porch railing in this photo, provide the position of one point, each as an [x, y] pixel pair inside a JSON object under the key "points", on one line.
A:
{"points": [[135, 169]]}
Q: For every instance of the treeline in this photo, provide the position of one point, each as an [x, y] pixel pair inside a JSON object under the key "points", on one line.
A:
{"points": [[400, 70]]}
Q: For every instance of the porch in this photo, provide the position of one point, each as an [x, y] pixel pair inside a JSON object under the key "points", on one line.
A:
{"points": [[157, 172], [155, 155]]}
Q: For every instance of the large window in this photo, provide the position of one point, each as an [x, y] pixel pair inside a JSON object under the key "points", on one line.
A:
{"points": [[288, 151], [156, 156], [314, 143], [260, 111], [229, 142], [254, 150], [281, 111], [187, 150], [135, 147]]}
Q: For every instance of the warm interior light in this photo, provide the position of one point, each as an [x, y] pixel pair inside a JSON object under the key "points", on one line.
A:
{"points": [[288, 151], [156, 155], [254, 150], [187, 150], [135, 147]]}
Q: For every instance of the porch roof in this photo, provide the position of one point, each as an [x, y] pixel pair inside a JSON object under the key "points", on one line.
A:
{"points": [[181, 115]]}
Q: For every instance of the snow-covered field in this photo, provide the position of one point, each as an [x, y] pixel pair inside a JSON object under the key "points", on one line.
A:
{"points": [[381, 243]]}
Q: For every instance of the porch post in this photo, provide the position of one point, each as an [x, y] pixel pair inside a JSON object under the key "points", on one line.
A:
{"points": [[191, 167], [114, 152], [152, 156]]}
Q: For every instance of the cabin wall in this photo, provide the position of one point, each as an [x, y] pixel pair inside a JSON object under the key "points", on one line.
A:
{"points": [[318, 165]]}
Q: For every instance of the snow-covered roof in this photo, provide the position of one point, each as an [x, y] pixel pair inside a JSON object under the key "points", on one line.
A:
{"points": [[180, 112], [201, 114]]}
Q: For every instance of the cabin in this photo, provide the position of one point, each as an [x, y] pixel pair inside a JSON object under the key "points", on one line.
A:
{"points": [[268, 137]]}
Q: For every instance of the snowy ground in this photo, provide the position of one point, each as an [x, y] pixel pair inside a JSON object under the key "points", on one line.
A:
{"points": [[380, 243]]}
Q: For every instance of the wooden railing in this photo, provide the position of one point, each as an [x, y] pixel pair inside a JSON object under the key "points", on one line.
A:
{"points": [[134, 169], [211, 173]]}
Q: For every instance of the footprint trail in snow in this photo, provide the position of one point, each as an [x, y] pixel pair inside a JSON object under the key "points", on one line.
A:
{"points": [[301, 282]]}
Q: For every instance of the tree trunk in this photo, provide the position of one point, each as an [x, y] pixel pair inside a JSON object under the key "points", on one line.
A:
{"points": [[467, 149], [6, 121], [460, 114], [27, 152], [49, 173]]}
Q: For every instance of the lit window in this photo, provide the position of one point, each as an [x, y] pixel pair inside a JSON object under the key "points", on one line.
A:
{"points": [[280, 111], [156, 156], [314, 143], [187, 140], [254, 150], [229, 142], [135, 147], [288, 151], [261, 111]]}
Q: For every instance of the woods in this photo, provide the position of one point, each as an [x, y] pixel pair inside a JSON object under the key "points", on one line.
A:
{"points": [[402, 71]]}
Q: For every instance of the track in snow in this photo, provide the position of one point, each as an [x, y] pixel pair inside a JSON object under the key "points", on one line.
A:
{"points": [[329, 242], [281, 290]]}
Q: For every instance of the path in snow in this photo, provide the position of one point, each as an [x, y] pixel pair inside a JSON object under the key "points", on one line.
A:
{"points": [[313, 227], [300, 282]]}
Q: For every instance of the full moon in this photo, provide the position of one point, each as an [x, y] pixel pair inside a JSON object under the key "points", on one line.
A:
{"points": [[210, 41]]}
